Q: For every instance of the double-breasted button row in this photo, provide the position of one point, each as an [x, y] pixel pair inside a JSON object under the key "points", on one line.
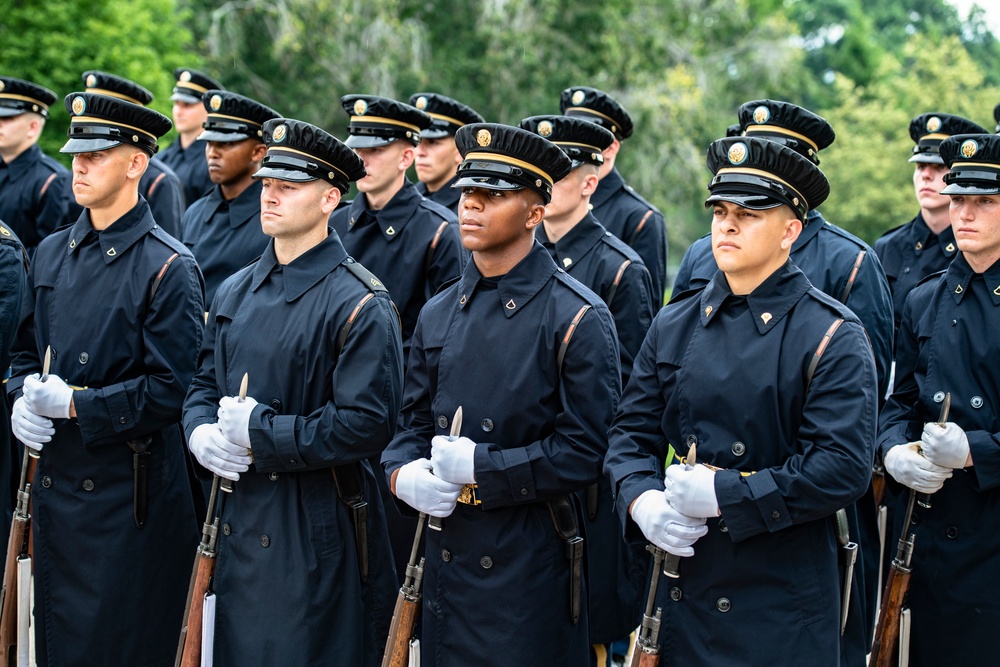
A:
{"points": [[485, 562], [486, 424]]}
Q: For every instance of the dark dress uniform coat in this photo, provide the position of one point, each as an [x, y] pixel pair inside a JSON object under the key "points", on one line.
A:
{"points": [[947, 343], [13, 271], [287, 581], [446, 195], [729, 373], [191, 166], [106, 592], [162, 188], [395, 242], [224, 236], [624, 213], [909, 253], [615, 272], [496, 584], [35, 196]]}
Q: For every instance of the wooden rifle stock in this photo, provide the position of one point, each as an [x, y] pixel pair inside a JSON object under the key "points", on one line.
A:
{"points": [[189, 648], [646, 652], [404, 616], [886, 645], [17, 548]]}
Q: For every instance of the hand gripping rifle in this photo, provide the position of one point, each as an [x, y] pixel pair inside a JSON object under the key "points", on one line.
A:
{"points": [[890, 645], [647, 650], [189, 648]]}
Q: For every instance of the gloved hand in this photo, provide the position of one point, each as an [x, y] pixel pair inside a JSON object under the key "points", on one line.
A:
{"points": [[212, 449], [947, 447], [908, 467], [48, 399], [31, 429], [666, 527], [419, 488], [454, 461], [691, 491], [234, 419]]}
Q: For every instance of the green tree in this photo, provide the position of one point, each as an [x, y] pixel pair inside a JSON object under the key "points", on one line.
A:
{"points": [[54, 42]]}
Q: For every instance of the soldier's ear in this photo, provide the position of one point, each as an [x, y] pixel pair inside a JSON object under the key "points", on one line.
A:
{"points": [[793, 227], [259, 151], [138, 161], [330, 200]]}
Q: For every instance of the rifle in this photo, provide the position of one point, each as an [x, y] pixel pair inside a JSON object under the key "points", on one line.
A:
{"points": [[404, 616], [189, 648], [647, 650], [13, 598], [891, 637], [18, 557]]}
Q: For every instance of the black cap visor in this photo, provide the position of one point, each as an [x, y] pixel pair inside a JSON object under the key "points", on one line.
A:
{"points": [[184, 96], [224, 137], [755, 190], [369, 140], [971, 188], [755, 202], [8, 112], [927, 158], [487, 183], [77, 145], [437, 131], [283, 173]]}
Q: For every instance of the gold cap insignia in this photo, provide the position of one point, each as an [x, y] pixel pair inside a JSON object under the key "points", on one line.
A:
{"points": [[933, 124], [950, 247], [34, 107], [279, 133], [795, 201], [216, 102], [738, 153], [614, 129], [184, 77], [545, 128], [135, 138], [360, 107], [578, 97], [91, 81], [2, 86], [969, 148], [483, 137], [79, 105], [330, 175], [421, 102], [761, 115], [766, 317]]}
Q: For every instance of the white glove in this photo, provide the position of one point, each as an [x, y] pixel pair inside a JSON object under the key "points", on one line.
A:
{"points": [[48, 399], [947, 447], [31, 429], [419, 488], [454, 461], [234, 419], [212, 449], [666, 527], [908, 467], [691, 491]]}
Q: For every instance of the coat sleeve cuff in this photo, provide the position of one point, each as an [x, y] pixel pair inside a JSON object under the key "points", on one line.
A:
{"points": [[511, 483], [272, 440]]}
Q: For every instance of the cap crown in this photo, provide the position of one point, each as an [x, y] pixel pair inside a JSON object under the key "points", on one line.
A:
{"points": [[103, 83], [796, 127], [581, 140], [597, 107], [18, 96]]}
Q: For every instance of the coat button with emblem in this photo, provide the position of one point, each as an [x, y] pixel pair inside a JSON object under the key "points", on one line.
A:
{"points": [[486, 562], [676, 594], [723, 527], [938, 396], [723, 605], [442, 421], [122, 420], [265, 541], [275, 405], [46, 482], [739, 448], [273, 477], [692, 440], [445, 555], [84, 357], [775, 514], [951, 532], [487, 425], [226, 530], [976, 402], [88, 485]]}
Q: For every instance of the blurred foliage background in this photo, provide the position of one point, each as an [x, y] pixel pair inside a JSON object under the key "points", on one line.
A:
{"points": [[681, 67]]}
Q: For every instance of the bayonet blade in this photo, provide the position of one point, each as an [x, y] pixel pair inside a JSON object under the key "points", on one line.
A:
{"points": [[456, 424], [46, 363], [945, 409], [243, 387]]}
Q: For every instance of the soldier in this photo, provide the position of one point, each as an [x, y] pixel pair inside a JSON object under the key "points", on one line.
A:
{"points": [[159, 186], [118, 301], [13, 269], [186, 155], [602, 262], [774, 382], [621, 210], [947, 344], [320, 340], [222, 228], [437, 156], [845, 268], [925, 245], [412, 244], [504, 580], [34, 188]]}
